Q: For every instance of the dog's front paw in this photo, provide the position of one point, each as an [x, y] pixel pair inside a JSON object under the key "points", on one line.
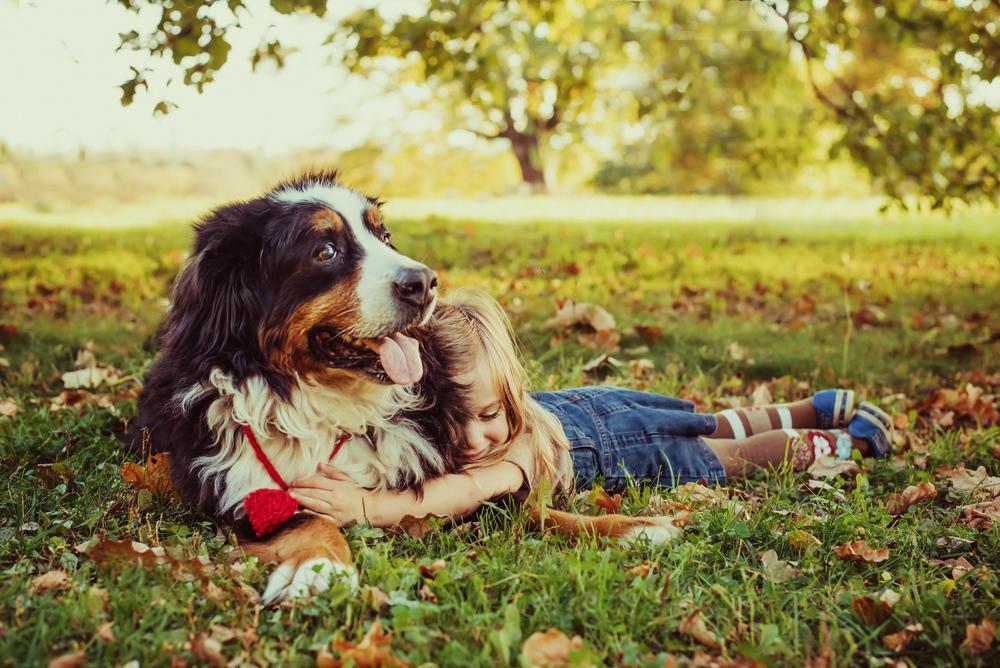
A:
{"points": [[657, 530], [307, 578]]}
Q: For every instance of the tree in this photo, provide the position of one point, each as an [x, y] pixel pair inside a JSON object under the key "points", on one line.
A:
{"points": [[904, 79]]}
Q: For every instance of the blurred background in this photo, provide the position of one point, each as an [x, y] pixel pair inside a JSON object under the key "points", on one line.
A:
{"points": [[873, 102]]}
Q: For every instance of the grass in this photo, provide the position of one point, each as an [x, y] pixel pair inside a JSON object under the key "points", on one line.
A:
{"points": [[894, 310]]}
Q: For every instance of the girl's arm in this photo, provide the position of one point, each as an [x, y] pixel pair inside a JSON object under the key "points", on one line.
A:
{"points": [[330, 492]]}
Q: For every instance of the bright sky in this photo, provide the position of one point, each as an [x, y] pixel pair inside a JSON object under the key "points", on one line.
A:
{"points": [[59, 78]]}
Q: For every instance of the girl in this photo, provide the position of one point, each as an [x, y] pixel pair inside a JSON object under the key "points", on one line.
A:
{"points": [[572, 438]]}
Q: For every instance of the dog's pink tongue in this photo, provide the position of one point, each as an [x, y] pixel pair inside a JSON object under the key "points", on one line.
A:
{"points": [[400, 357]]}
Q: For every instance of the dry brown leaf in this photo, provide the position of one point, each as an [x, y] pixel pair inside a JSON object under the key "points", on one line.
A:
{"points": [[870, 611], [897, 642], [428, 571], [830, 467], [154, 476], [899, 503], [982, 516], [9, 408], [71, 660], [979, 637], [694, 627], [859, 550], [610, 504], [89, 378], [208, 650], [595, 327], [776, 570], [640, 570], [105, 632], [969, 403], [977, 482], [54, 579], [375, 597], [648, 333], [427, 594], [801, 539], [415, 527], [959, 566], [550, 649], [372, 652]]}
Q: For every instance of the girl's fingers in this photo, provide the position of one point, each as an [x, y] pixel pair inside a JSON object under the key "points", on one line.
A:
{"points": [[312, 500]]}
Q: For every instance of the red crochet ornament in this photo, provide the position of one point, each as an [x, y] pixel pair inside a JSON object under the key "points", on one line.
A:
{"points": [[267, 509]]}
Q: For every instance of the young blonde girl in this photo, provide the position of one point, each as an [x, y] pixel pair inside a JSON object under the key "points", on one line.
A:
{"points": [[573, 438]]}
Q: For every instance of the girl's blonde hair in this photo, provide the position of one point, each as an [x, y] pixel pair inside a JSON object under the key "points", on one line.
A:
{"points": [[476, 325]]}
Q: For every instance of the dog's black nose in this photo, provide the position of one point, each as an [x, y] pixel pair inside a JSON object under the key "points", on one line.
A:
{"points": [[415, 286]]}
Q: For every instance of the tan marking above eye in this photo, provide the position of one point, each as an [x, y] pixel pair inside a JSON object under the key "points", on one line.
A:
{"points": [[326, 220]]}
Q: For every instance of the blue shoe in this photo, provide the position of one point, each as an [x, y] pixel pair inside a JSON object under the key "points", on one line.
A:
{"points": [[874, 425], [833, 408]]}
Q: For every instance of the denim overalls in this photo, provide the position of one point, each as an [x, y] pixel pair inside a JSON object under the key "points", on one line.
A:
{"points": [[617, 434]]}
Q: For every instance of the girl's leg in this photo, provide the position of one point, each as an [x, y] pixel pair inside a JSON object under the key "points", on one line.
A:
{"points": [[739, 423], [827, 409], [741, 457]]}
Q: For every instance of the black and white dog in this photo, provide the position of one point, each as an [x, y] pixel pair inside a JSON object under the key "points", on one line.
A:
{"points": [[296, 326]]}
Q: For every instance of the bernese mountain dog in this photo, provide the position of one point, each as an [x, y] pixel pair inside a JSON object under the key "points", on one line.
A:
{"points": [[296, 330]]}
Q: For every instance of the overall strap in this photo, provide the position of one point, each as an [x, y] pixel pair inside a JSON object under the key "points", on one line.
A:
{"points": [[273, 472]]}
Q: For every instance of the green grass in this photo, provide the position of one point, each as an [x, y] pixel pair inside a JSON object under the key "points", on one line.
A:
{"points": [[923, 298]]}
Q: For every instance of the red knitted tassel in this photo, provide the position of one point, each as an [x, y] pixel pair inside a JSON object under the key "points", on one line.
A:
{"points": [[268, 509]]}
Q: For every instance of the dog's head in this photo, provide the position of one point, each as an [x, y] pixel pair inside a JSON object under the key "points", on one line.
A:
{"points": [[302, 281]]}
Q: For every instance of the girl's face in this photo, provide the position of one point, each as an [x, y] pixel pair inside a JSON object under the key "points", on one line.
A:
{"points": [[488, 427]]}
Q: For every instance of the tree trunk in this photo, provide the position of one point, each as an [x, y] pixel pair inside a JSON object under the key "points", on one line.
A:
{"points": [[529, 159]]}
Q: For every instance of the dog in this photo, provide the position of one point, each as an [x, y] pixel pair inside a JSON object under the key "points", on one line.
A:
{"points": [[296, 330], [298, 334]]}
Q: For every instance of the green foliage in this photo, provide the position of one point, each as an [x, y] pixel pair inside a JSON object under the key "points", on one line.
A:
{"points": [[904, 80]]}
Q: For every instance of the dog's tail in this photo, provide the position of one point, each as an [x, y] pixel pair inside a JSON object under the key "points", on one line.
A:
{"points": [[657, 530]]}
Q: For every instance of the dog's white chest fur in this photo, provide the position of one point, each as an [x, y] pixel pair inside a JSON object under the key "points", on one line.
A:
{"points": [[299, 434]]}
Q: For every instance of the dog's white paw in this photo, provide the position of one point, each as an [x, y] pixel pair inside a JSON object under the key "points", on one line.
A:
{"points": [[308, 578], [656, 530]]}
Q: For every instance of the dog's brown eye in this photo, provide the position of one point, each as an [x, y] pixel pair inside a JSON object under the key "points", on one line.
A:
{"points": [[326, 253]]}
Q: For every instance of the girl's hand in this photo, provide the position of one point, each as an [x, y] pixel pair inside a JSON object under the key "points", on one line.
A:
{"points": [[330, 492]]}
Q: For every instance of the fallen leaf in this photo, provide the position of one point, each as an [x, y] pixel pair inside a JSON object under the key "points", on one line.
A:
{"points": [[105, 632], [736, 352], [71, 660], [427, 594], [610, 504], [208, 650], [983, 515], [91, 377], [979, 637], [913, 494], [154, 476], [859, 550], [372, 652], [434, 567], [648, 333], [761, 396], [375, 597], [9, 408], [7, 333], [55, 579], [551, 649], [594, 325], [830, 467], [977, 482], [870, 611], [694, 627], [801, 539], [897, 642], [959, 566], [416, 527], [640, 570], [969, 404], [775, 569]]}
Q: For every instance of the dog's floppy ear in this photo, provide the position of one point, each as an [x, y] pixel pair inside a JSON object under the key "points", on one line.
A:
{"points": [[220, 297]]}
